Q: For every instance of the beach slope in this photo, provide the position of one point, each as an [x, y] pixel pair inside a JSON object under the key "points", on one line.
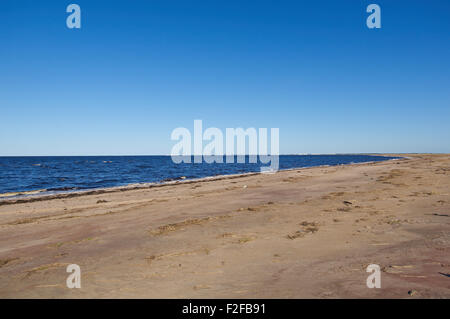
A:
{"points": [[303, 233]]}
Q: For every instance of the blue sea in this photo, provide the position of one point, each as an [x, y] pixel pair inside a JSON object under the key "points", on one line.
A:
{"points": [[62, 174]]}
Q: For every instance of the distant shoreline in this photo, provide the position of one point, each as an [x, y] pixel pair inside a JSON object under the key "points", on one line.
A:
{"points": [[293, 154]]}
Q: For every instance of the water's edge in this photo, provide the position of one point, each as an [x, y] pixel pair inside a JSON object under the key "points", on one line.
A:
{"points": [[40, 195]]}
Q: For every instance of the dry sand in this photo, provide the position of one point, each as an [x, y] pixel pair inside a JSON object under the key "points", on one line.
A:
{"points": [[306, 233]]}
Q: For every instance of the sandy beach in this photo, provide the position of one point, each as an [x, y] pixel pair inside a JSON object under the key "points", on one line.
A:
{"points": [[303, 233]]}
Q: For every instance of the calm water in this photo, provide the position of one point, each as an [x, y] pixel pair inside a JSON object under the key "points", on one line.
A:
{"points": [[18, 174]]}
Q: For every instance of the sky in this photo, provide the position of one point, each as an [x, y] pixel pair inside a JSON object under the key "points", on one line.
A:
{"points": [[136, 70]]}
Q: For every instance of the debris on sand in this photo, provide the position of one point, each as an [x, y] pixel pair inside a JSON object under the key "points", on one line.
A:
{"points": [[412, 292], [308, 228]]}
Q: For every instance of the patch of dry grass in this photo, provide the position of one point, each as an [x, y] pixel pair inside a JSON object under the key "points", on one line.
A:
{"points": [[307, 228], [4, 262], [165, 229], [45, 267]]}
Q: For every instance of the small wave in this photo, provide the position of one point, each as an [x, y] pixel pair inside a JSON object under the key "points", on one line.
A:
{"points": [[62, 189], [173, 179], [24, 193]]}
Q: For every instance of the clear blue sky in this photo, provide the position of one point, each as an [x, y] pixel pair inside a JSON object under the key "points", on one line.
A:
{"points": [[138, 69]]}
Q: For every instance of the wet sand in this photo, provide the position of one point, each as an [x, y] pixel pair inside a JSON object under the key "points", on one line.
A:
{"points": [[306, 233]]}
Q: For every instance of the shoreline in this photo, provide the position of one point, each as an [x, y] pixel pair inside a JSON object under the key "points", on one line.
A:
{"points": [[43, 194], [302, 233]]}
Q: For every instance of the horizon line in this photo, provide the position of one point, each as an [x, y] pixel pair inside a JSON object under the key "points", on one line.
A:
{"points": [[287, 154]]}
